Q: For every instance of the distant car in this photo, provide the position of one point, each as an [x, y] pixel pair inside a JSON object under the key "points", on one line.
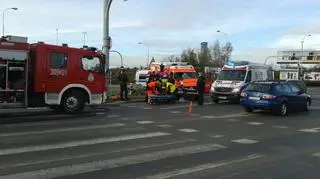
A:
{"points": [[276, 96]]}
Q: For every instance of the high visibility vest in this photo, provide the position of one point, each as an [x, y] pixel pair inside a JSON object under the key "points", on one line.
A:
{"points": [[171, 87], [150, 87]]}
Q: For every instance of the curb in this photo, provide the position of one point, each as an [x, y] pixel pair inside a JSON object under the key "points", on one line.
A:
{"points": [[124, 102]]}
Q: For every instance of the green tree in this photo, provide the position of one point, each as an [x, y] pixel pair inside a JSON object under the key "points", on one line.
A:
{"points": [[190, 57], [227, 50], [217, 54], [204, 59], [221, 53]]}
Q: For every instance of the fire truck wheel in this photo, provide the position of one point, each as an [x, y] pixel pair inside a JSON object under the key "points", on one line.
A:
{"points": [[73, 102]]}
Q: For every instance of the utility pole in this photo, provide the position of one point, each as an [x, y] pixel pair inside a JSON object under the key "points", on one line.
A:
{"points": [[299, 61], [57, 36], [84, 38], [3, 14]]}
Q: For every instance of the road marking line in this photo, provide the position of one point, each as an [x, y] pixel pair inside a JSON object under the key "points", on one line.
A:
{"points": [[113, 116], [210, 117], [165, 125], [255, 123], [174, 107], [188, 130], [228, 116], [280, 127], [147, 108], [63, 130], [100, 153], [80, 143], [203, 167], [192, 114], [316, 155], [175, 112], [233, 120], [100, 113], [124, 118], [114, 163], [315, 108], [245, 141], [145, 122], [216, 136], [313, 130]]}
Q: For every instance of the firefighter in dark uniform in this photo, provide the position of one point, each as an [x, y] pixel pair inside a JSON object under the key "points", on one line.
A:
{"points": [[200, 89], [171, 78], [123, 79]]}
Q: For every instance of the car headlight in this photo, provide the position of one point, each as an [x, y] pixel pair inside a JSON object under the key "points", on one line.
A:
{"points": [[236, 90]]}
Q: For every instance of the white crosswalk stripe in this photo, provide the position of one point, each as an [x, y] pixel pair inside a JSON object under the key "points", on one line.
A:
{"points": [[245, 141], [112, 163], [80, 143], [145, 122], [255, 123], [63, 130]]}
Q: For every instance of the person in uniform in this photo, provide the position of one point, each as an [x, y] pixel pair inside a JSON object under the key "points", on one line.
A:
{"points": [[123, 79], [200, 89], [152, 89]]}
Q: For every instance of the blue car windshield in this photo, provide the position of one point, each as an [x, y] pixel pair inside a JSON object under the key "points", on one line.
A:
{"points": [[232, 75], [256, 87]]}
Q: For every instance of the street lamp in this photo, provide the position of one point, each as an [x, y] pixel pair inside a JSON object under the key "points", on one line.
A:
{"points": [[225, 34], [302, 41], [299, 63], [119, 55], [3, 13], [106, 38], [227, 38], [148, 59], [84, 37]]}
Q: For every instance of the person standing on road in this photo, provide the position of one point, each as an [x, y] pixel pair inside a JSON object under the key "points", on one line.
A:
{"points": [[123, 79], [171, 78], [200, 89]]}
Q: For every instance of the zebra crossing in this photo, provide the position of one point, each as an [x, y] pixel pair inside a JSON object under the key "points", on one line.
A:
{"points": [[116, 143], [38, 153]]}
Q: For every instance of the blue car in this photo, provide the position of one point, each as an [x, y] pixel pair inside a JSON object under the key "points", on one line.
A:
{"points": [[278, 97]]}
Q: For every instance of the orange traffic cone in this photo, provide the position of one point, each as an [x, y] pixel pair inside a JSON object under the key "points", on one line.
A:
{"points": [[190, 107]]}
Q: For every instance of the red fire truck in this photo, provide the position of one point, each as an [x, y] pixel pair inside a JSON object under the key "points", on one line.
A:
{"points": [[61, 77]]}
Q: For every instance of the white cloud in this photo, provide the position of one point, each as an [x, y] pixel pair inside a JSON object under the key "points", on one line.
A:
{"points": [[168, 26], [257, 55]]}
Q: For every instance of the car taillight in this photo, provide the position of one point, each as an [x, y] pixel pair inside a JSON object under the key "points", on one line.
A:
{"points": [[243, 94], [268, 97]]}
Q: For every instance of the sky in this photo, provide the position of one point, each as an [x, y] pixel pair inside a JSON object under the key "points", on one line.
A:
{"points": [[256, 28]]}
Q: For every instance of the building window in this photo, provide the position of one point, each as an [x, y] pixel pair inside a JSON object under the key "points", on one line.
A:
{"points": [[92, 64], [58, 61]]}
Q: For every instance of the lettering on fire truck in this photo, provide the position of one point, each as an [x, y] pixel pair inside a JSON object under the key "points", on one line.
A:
{"points": [[58, 72]]}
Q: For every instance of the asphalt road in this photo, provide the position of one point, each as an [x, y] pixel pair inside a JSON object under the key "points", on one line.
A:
{"points": [[136, 140]]}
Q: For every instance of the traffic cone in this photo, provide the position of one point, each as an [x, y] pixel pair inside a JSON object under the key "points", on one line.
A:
{"points": [[190, 107]]}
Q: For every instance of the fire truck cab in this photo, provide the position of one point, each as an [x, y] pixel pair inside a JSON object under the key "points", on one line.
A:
{"points": [[61, 77]]}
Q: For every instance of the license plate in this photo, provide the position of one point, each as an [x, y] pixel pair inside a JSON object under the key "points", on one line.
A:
{"points": [[222, 97], [254, 98]]}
